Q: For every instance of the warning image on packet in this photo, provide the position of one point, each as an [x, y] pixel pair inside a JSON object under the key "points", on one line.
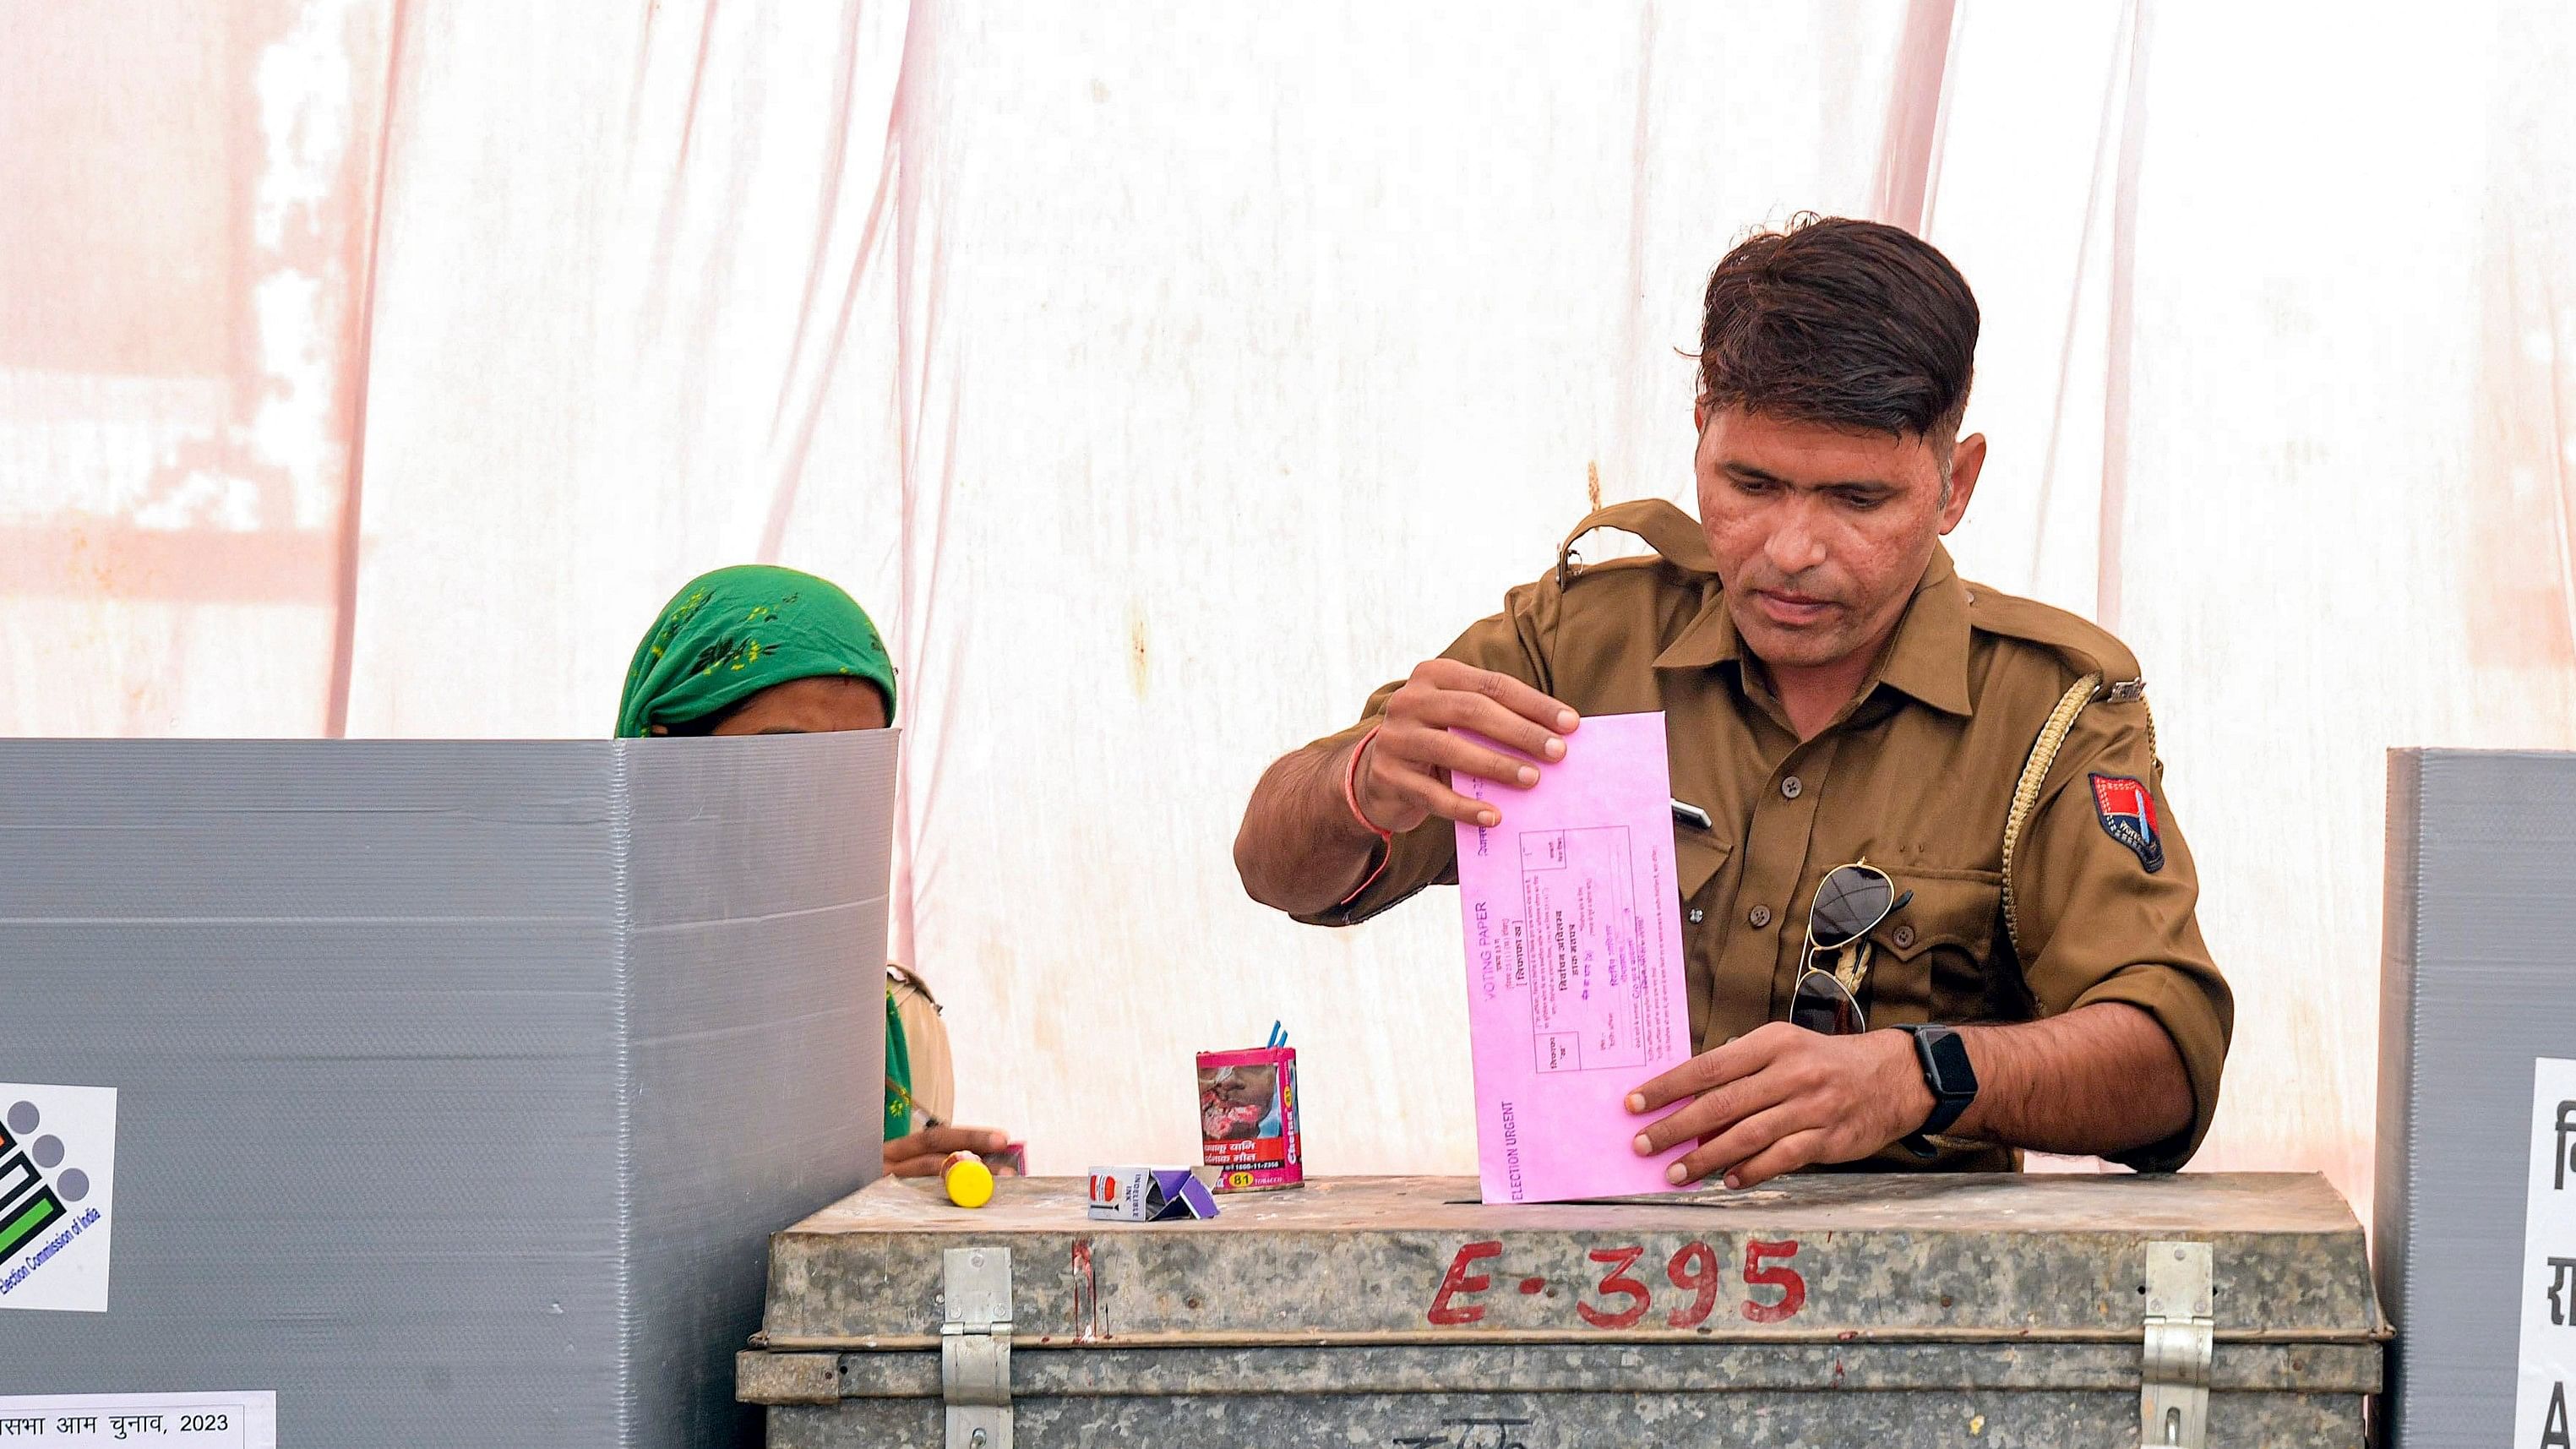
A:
{"points": [[1248, 1118], [1239, 1104]]}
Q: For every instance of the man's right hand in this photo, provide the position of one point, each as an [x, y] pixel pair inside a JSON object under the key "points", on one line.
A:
{"points": [[1404, 778]]}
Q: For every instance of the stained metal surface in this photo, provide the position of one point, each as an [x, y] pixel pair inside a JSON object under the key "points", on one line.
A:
{"points": [[800, 1378], [1402, 1312], [1395, 1260], [1716, 1417], [1649, 1368]]}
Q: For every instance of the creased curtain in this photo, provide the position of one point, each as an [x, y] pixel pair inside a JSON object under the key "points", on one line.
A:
{"points": [[1165, 377]]}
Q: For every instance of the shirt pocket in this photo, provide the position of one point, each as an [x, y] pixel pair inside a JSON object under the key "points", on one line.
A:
{"points": [[1936, 959], [1698, 861]]}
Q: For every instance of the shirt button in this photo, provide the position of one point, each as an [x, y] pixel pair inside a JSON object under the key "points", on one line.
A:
{"points": [[1904, 938], [1760, 916], [1791, 788], [1697, 915]]}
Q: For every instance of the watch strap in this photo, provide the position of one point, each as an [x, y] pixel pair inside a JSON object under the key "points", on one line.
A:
{"points": [[1945, 1110], [1946, 1106]]}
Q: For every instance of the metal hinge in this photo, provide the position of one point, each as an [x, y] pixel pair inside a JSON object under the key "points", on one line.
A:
{"points": [[975, 1348], [2173, 1389]]}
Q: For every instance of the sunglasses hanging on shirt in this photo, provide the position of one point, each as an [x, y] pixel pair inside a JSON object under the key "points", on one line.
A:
{"points": [[1850, 903]]}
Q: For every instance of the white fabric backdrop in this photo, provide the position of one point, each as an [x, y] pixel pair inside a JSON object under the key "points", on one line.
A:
{"points": [[1166, 376]]}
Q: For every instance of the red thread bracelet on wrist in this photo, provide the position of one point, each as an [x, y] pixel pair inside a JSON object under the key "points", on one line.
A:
{"points": [[1351, 797]]}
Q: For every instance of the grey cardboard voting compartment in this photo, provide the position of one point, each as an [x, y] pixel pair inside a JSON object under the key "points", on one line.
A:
{"points": [[1971, 1312], [460, 1084], [2478, 978]]}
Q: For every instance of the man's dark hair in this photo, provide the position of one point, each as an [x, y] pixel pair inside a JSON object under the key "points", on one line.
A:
{"points": [[1854, 324]]}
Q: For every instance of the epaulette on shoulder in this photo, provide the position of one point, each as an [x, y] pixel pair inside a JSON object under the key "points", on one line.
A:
{"points": [[2087, 647], [1666, 529]]}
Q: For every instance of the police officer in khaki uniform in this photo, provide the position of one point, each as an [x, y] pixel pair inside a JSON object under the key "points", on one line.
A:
{"points": [[1834, 693]]}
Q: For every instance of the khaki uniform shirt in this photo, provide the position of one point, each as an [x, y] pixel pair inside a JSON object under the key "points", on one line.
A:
{"points": [[1917, 775]]}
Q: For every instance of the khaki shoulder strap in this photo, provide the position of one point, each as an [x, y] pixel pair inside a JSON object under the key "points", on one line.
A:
{"points": [[2034, 774], [1666, 529], [2086, 646]]}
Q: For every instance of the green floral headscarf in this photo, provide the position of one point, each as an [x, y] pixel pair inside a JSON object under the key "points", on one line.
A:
{"points": [[730, 634]]}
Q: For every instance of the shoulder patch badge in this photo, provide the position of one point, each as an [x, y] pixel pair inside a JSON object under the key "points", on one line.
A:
{"points": [[2129, 816]]}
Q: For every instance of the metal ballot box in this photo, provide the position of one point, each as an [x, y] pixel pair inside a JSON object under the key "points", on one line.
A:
{"points": [[2054, 1311]]}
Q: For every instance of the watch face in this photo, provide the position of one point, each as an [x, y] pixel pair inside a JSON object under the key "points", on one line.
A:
{"points": [[1950, 1066]]}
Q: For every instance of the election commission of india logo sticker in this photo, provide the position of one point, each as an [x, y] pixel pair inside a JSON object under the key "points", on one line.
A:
{"points": [[57, 1195]]}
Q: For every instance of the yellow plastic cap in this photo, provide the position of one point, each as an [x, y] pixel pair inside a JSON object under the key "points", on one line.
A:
{"points": [[968, 1180]]}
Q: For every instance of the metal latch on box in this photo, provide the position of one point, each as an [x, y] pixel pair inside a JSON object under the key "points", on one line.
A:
{"points": [[2173, 1390], [975, 1348]]}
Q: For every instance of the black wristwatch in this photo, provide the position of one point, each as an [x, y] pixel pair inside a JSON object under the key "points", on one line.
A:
{"points": [[1946, 1071]]}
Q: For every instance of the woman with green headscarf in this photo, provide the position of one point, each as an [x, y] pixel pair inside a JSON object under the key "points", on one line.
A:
{"points": [[758, 650]]}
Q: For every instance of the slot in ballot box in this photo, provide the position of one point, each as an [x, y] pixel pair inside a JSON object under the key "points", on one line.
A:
{"points": [[456, 1087], [2227, 1309]]}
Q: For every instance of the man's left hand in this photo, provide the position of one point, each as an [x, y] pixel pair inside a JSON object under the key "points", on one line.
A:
{"points": [[1782, 1097]]}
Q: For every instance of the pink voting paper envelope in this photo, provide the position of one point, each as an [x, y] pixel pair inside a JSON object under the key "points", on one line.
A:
{"points": [[1574, 965]]}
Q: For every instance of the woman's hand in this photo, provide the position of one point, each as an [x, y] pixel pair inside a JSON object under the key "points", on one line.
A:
{"points": [[918, 1154]]}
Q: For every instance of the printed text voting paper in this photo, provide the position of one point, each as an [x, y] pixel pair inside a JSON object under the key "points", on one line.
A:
{"points": [[1574, 965]]}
